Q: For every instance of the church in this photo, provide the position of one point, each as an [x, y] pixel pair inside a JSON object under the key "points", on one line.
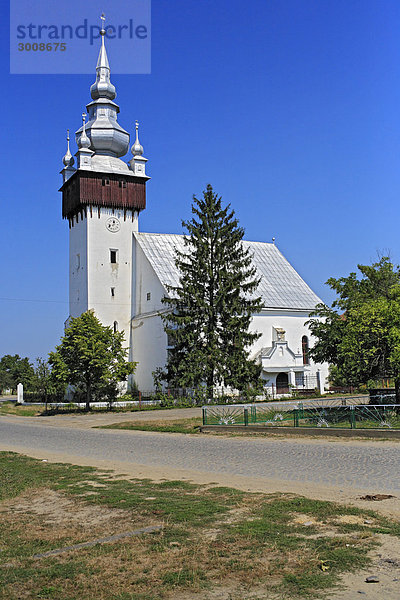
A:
{"points": [[121, 273]]}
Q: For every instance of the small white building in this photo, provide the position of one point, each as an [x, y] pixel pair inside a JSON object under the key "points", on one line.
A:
{"points": [[122, 273]]}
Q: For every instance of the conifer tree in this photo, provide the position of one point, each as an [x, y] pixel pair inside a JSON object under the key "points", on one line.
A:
{"points": [[211, 308]]}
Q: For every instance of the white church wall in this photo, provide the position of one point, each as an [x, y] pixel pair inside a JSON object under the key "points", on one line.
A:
{"points": [[148, 289], [78, 281], [292, 322], [149, 349], [149, 341]]}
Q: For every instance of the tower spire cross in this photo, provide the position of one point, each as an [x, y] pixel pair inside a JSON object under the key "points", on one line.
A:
{"points": [[103, 19]]}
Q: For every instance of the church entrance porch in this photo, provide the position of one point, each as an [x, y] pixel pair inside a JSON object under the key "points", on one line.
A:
{"points": [[287, 382], [282, 383]]}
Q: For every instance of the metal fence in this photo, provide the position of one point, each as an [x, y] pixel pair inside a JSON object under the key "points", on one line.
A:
{"points": [[349, 416]]}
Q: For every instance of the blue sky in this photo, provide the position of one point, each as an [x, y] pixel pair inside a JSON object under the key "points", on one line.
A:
{"points": [[289, 108]]}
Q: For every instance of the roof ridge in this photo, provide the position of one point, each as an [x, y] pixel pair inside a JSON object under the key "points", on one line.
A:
{"points": [[185, 235], [151, 233]]}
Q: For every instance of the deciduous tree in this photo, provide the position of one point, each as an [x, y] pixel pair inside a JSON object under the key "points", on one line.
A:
{"points": [[44, 382], [91, 357], [360, 334], [14, 370]]}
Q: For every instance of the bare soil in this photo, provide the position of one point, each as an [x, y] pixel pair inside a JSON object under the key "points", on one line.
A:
{"points": [[385, 565], [53, 515]]}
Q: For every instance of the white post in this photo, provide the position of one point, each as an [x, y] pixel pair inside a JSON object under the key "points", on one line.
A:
{"points": [[292, 380], [20, 393], [320, 382]]}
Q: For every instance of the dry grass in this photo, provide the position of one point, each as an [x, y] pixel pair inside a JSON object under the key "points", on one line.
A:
{"points": [[215, 542]]}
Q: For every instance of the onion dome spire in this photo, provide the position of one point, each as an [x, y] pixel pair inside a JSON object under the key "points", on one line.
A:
{"points": [[85, 152], [106, 136], [102, 87], [68, 159], [137, 164], [84, 141], [137, 148]]}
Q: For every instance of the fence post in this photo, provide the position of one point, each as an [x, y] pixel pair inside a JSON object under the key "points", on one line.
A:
{"points": [[295, 417], [352, 418], [204, 415], [140, 400], [246, 416], [301, 410]]}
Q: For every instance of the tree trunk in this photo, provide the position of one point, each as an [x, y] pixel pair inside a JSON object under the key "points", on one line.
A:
{"points": [[397, 388], [210, 386], [88, 396]]}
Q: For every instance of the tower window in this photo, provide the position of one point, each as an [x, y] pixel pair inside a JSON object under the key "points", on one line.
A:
{"points": [[113, 256], [112, 292], [305, 350], [122, 184], [148, 296], [105, 182], [115, 326]]}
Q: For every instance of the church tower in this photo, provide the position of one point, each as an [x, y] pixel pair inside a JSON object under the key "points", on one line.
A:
{"points": [[102, 198]]}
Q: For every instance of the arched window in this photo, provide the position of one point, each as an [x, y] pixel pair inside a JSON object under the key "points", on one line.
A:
{"points": [[115, 326], [305, 350]]}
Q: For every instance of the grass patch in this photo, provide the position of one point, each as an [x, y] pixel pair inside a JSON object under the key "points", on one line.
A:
{"points": [[11, 408], [212, 538], [173, 426], [26, 410]]}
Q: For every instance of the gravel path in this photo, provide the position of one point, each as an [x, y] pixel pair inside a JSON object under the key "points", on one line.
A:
{"points": [[363, 465]]}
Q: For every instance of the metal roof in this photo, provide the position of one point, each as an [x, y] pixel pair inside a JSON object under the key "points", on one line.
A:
{"points": [[107, 164], [280, 287]]}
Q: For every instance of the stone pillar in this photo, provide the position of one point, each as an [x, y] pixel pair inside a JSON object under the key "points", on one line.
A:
{"points": [[20, 393]]}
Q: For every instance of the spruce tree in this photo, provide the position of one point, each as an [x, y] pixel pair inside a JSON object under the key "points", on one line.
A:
{"points": [[211, 308]]}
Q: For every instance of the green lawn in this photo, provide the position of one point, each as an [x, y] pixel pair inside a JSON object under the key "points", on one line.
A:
{"points": [[164, 426], [11, 408], [212, 538]]}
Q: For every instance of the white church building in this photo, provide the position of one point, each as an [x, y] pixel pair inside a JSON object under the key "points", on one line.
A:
{"points": [[121, 273]]}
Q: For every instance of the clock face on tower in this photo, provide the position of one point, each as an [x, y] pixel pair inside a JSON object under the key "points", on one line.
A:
{"points": [[113, 225]]}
